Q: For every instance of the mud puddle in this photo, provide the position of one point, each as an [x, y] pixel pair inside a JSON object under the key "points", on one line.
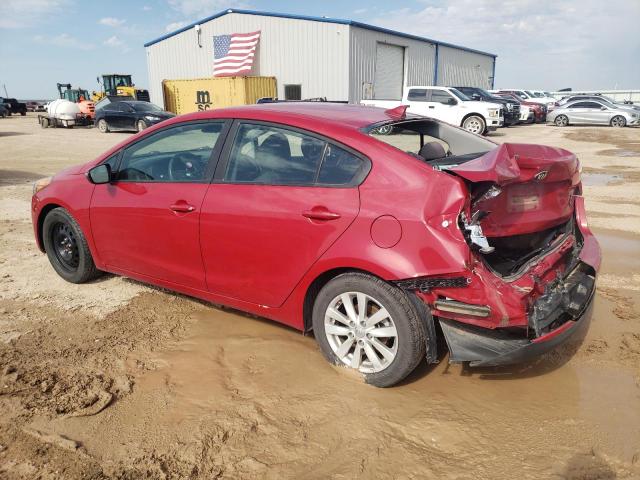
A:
{"points": [[244, 398]]}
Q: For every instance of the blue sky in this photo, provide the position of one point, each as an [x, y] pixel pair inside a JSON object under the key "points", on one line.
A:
{"points": [[541, 44]]}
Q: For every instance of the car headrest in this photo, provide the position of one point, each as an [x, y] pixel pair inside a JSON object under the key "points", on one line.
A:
{"points": [[311, 148], [432, 150], [276, 144]]}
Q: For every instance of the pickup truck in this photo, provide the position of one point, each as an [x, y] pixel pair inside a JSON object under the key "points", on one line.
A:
{"points": [[511, 107], [448, 105]]}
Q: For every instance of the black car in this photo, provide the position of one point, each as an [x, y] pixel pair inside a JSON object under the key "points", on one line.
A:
{"points": [[129, 115], [511, 107], [14, 106]]}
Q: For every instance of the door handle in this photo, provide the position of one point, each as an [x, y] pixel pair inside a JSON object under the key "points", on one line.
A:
{"points": [[431, 106], [182, 208], [320, 214]]}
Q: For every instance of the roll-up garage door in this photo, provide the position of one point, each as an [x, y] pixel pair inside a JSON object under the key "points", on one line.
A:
{"points": [[389, 77]]}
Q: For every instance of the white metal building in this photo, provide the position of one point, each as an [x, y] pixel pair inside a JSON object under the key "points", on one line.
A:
{"points": [[341, 60]]}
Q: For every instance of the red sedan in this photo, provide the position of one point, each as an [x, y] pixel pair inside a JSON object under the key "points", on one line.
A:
{"points": [[301, 213]]}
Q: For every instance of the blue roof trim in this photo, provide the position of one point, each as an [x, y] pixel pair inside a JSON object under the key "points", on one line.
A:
{"points": [[316, 19]]}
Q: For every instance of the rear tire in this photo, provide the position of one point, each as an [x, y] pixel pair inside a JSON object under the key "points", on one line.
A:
{"points": [[387, 350], [103, 126], [618, 121], [384, 130], [475, 124], [561, 121], [67, 247]]}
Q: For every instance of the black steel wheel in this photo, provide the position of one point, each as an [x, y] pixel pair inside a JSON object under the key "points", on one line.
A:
{"points": [[67, 247]]}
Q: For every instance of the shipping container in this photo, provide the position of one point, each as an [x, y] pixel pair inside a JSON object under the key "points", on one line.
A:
{"points": [[198, 94]]}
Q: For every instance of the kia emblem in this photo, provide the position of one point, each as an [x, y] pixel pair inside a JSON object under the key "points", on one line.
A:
{"points": [[541, 175]]}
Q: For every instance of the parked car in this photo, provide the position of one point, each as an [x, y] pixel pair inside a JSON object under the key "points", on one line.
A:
{"points": [[539, 110], [14, 106], [291, 211], [599, 98], [449, 105], [593, 112], [129, 115], [510, 107], [528, 96]]}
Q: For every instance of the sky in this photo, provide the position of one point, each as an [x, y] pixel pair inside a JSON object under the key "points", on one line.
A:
{"points": [[541, 44]]}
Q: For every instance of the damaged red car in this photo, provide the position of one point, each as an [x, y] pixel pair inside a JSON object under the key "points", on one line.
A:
{"points": [[301, 213]]}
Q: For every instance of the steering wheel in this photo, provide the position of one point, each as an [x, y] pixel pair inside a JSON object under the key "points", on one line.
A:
{"points": [[185, 166], [133, 174]]}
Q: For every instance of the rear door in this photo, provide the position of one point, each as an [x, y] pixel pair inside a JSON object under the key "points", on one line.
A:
{"points": [[147, 220], [281, 197]]}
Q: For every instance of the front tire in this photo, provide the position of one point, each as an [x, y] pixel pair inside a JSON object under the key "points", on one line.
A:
{"points": [[67, 247], [618, 121], [474, 124], [561, 121], [103, 126], [364, 323], [141, 125]]}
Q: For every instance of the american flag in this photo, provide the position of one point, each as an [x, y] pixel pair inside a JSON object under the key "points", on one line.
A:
{"points": [[233, 54]]}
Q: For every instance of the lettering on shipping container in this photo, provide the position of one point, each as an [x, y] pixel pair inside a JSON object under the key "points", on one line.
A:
{"points": [[203, 100]]}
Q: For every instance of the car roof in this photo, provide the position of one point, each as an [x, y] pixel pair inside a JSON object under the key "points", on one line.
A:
{"points": [[346, 115]]}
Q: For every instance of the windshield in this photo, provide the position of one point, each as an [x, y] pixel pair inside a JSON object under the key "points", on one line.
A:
{"points": [[459, 94], [146, 107]]}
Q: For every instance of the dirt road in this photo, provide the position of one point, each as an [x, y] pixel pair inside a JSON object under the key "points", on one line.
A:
{"points": [[119, 380]]}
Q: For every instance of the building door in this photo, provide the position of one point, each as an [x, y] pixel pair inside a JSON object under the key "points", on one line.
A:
{"points": [[389, 76]]}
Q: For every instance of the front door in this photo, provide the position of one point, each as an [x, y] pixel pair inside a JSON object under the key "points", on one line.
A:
{"points": [[280, 199], [147, 220]]}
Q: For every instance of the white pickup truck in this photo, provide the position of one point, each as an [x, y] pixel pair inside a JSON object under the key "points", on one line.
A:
{"points": [[449, 105]]}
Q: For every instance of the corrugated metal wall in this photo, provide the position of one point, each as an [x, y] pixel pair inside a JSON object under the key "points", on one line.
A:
{"points": [[463, 68], [313, 54], [419, 61]]}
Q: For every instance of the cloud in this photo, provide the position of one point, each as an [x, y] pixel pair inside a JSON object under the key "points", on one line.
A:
{"points": [[541, 44], [202, 8], [111, 21], [115, 42], [64, 40], [27, 13], [146, 8], [172, 27]]}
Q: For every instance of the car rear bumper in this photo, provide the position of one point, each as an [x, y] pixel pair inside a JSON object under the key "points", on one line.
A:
{"points": [[485, 348]]}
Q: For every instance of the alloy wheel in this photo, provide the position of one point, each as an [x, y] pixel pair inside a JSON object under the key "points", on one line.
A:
{"points": [[562, 121], [361, 332], [618, 121]]}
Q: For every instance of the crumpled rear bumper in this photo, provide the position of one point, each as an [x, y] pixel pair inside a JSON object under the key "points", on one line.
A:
{"points": [[560, 321]]}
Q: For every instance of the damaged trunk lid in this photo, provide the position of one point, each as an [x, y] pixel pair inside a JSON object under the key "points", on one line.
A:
{"points": [[521, 189]]}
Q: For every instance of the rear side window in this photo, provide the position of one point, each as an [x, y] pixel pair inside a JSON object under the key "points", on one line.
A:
{"points": [[270, 155], [339, 167], [274, 156], [178, 154], [417, 95]]}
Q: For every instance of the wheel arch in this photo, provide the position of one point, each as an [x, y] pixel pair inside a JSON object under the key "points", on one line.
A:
{"points": [[41, 216], [325, 277]]}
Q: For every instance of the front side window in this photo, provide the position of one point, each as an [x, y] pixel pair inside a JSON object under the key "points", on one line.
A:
{"points": [[178, 154], [276, 156]]}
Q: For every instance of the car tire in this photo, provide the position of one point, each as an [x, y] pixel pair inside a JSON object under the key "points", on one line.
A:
{"points": [[141, 125], [23, 113], [383, 360], [103, 126], [561, 121], [67, 247], [475, 124], [618, 121], [44, 123]]}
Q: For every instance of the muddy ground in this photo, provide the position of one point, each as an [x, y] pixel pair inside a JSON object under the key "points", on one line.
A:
{"points": [[115, 379]]}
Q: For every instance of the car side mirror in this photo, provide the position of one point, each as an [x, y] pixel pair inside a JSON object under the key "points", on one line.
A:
{"points": [[603, 108], [452, 101], [475, 96], [100, 174]]}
